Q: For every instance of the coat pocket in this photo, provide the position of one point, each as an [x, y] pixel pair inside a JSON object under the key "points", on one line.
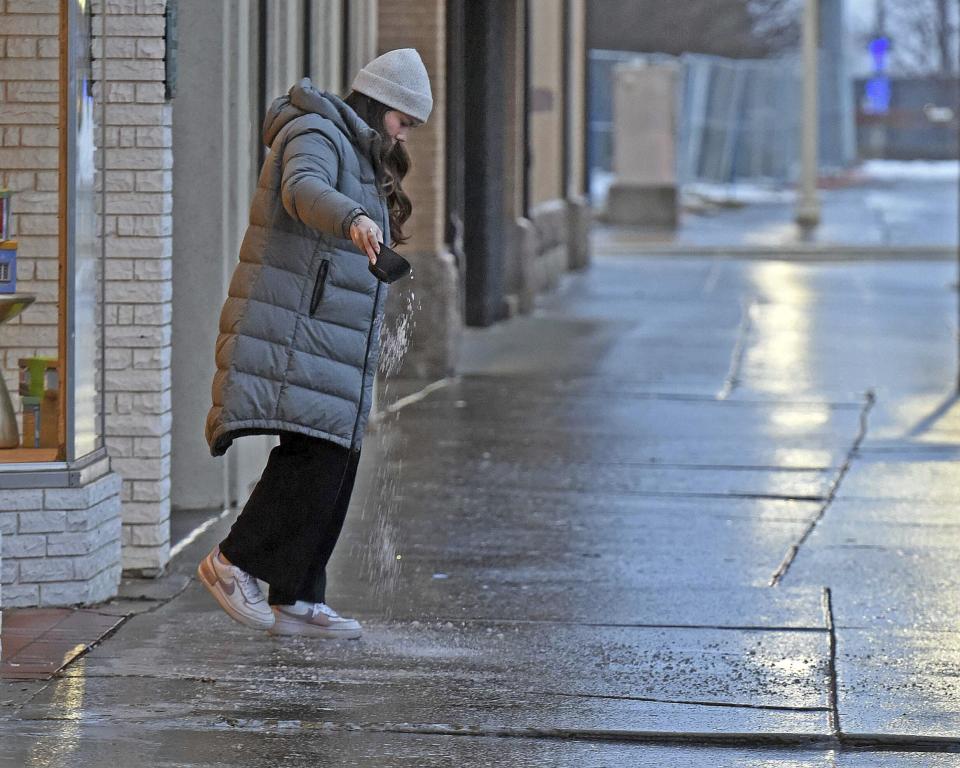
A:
{"points": [[319, 285]]}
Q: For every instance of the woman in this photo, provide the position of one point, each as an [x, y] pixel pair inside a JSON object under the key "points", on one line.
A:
{"points": [[299, 335]]}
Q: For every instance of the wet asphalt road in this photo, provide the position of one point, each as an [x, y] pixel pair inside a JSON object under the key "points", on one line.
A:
{"points": [[692, 513]]}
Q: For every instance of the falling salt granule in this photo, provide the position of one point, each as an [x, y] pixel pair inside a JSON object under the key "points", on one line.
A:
{"points": [[395, 339], [380, 559]]}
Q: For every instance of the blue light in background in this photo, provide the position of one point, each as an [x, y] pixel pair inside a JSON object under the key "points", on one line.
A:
{"points": [[876, 91], [879, 47], [876, 94]]}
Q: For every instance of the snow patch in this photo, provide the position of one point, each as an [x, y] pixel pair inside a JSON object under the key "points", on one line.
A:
{"points": [[739, 193], [912, 170], [734, 194], [600, 181]]}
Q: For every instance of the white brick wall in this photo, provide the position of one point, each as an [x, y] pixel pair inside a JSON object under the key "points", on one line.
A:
{"points": [[139, 227], [61, 545]]}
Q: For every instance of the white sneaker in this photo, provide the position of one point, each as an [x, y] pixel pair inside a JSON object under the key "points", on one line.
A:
{"points": [[236, 590], [313, 620]]}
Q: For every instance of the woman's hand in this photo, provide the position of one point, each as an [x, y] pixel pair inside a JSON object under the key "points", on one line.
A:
{"points": [[367, 236]]}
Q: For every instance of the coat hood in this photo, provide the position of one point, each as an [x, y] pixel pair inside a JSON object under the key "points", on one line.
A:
{"points": [[303, 98]]}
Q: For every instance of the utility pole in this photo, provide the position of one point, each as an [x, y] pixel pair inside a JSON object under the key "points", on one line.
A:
{"points": [[943, 38], [808, 203], [838, 131]]}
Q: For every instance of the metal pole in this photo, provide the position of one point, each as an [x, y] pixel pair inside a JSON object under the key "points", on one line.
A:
{"points": [[808, 204]]}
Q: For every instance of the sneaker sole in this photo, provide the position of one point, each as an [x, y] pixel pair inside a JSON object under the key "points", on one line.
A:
{"points": [[208, 578], [290, 628]]}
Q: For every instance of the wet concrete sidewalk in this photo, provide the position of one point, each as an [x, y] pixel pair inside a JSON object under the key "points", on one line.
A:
{"points": [[693, 512]]}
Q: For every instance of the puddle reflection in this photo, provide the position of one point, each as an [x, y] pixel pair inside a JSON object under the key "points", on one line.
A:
{"points": [[66, 707]]}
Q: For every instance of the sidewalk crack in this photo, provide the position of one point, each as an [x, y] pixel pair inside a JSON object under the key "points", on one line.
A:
{"points": [[739, 349], [870, 399], [832, 684]]}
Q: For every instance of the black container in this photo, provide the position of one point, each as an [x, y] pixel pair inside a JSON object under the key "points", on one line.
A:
{"points": [[390, 266]]}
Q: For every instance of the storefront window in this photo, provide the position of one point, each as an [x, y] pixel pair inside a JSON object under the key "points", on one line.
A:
{"points": [[51, 257]]}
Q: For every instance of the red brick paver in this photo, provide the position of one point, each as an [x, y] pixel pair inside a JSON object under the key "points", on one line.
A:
{"points": [[39, 642]]}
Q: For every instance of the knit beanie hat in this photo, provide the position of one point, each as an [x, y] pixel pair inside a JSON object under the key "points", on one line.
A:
{"points": [[398, 79]]}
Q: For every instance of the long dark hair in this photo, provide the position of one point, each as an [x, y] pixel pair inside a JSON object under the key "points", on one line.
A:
{"points": [[394, 163]]}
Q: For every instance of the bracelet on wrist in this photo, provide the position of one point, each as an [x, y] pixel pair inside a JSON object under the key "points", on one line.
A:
{"points": [[355, 214]]}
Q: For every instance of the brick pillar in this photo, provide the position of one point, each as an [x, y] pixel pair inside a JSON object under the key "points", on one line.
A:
{"points": [[434, 295], [139, 227]]}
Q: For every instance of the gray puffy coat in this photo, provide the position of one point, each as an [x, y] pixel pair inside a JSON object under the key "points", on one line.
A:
{"points": [[299, 331]]}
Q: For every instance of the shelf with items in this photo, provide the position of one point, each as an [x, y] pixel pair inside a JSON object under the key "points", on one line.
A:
{"points": [[37, 436], [52, 320]]}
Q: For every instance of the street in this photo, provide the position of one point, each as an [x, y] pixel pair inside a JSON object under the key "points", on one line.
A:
{"points": [[888, 205], [691, 512]]}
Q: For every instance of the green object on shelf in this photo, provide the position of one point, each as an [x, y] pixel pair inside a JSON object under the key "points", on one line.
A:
{"points": [[32, 375]]}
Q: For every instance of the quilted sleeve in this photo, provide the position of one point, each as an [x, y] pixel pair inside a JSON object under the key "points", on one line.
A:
{"points": [[308, 187]]}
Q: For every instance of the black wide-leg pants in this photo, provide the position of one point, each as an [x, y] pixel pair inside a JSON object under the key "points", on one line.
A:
{"points": [[290, 525]]}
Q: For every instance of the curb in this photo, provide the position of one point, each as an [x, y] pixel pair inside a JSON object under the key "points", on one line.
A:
{"points": [[811, 252], [845, 741]]}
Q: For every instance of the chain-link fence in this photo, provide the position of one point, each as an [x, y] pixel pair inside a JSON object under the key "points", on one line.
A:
{"points": [[738, 119]]}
